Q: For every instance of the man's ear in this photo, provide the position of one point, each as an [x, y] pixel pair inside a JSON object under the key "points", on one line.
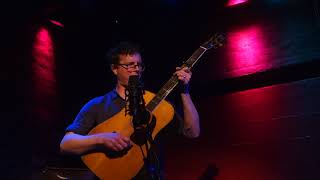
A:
{"points": [[114, 69]]}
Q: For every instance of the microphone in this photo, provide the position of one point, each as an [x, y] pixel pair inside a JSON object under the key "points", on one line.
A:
{"points": [[134, 97]]}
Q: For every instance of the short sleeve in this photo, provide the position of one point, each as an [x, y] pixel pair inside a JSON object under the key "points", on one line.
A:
{"points": [[86, 118]]}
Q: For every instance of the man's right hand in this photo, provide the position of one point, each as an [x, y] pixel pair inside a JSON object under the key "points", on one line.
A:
{"points": [[113, 141]]}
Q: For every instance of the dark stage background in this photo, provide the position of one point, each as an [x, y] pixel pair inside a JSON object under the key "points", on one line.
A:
{"points": [[258, 95]]}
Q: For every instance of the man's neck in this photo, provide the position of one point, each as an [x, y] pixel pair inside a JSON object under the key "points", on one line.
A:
{"points": [[121, 90]]}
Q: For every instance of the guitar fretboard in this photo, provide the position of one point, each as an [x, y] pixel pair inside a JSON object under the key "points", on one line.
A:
{"points": [[173, 81]]}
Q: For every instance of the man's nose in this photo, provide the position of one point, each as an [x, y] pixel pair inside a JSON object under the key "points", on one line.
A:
{"points": [[136, 68]]}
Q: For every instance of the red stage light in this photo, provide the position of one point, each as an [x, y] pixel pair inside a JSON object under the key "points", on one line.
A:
{"points": [[235, 2], [43, 75], [249, 51], [57, 23]]}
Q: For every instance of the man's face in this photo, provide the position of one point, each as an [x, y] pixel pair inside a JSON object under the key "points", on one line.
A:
{"points": [[128, 65]]}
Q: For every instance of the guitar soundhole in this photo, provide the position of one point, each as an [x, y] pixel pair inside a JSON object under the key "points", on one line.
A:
{"points": [[141, 133]]}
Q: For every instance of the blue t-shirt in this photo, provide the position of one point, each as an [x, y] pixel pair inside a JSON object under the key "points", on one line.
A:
{"points": [[96, 111]]}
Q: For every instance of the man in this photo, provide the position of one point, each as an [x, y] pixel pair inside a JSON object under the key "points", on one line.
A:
{"points": [[125, 61]]}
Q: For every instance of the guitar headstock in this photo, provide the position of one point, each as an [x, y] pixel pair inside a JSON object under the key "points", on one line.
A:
{"points": [[215, 41]]}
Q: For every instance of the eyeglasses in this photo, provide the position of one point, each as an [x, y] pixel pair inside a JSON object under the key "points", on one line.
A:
{"points": [[132, 66]]}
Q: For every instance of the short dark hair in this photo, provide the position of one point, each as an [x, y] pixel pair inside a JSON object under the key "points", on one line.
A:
{"points": [[123, 48]]}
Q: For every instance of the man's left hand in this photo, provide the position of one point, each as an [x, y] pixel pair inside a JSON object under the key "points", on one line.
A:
{"points": [[184, 74]]}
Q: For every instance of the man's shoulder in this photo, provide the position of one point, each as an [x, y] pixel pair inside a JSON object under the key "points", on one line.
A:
{"points": [[102, 99]]}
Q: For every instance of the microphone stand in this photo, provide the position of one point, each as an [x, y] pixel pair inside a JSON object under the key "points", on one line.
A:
{"points": [[142, 130]]}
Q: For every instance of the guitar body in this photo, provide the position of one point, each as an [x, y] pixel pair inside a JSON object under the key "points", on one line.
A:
{"points": [[128, 165]]}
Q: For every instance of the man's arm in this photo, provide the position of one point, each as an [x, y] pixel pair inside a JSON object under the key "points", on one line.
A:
{"points": [[191, 127], [78, 144]]}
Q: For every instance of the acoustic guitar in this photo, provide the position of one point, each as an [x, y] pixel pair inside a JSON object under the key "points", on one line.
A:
{"points": [[126, 166]]}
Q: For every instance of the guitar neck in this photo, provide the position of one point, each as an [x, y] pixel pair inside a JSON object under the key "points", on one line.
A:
{"points": [[173, 81]]}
